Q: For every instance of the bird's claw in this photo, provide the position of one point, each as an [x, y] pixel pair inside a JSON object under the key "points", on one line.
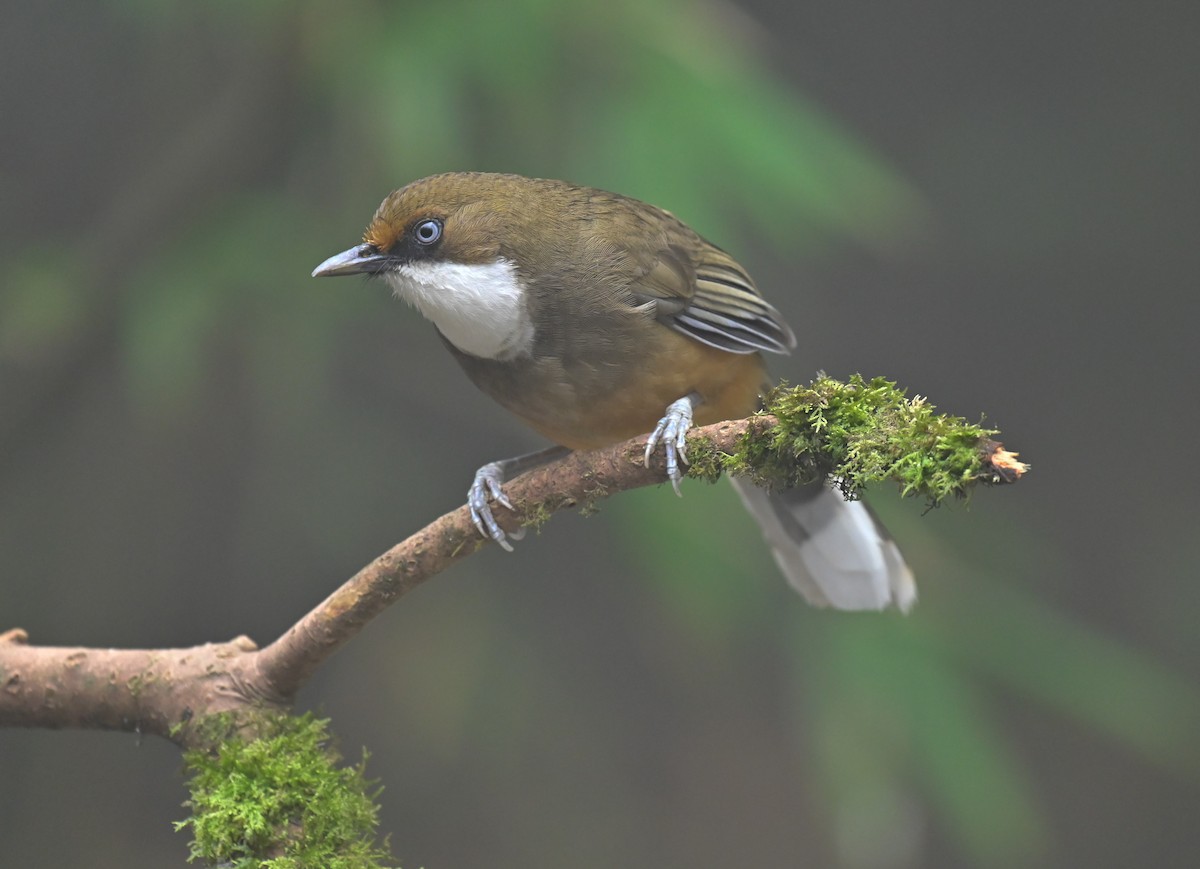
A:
{"points": [[488, 485], [672, 431]]}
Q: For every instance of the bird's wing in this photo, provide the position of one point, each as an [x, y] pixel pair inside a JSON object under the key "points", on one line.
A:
{"points": [[707, 296]]}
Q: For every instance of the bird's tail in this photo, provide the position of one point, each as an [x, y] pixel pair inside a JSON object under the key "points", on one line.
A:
{"points": [[833, 551]]}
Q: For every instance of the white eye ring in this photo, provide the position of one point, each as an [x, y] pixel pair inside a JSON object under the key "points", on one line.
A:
{"points": [[427, 232]]}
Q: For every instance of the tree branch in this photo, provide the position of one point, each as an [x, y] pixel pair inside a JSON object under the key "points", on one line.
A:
{"points": [[579, 478], [857, 433], [228, 702], [137, 690]]}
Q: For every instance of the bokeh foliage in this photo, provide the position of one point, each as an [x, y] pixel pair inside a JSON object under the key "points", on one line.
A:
{"points": [[671, 101]]}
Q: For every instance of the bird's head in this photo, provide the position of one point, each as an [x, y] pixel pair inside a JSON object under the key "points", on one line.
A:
{"points": [[455, 246]]}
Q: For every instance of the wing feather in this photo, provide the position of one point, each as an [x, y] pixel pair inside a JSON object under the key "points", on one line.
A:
{"points": [[727, 311], [757, 334], [702, 292]]}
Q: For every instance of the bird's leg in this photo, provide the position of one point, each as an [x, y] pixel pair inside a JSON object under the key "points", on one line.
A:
{"points": [[489, 484], [672, 430]]}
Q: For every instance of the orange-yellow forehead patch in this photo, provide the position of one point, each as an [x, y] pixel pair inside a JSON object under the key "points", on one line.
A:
{"points": [[382, 234]]}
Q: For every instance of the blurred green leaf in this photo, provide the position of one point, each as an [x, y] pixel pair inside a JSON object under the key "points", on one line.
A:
{"points": [[890, 705], [1079, 671], [43, 305], [702, 554], [229, 286]]}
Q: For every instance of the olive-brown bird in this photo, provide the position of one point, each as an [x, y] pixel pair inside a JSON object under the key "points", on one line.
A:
{"points": [[594, 318]]}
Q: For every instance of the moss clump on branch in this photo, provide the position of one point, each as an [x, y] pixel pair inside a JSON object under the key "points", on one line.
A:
{"points": [[865, 431], [280, 801]]}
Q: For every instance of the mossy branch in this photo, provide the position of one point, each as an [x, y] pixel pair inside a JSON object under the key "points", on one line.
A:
{"points": [[266, 786], [861, 432], [854, 432]]}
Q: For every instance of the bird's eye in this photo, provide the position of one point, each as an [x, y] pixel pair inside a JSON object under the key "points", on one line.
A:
{"points": [[427, 231]]}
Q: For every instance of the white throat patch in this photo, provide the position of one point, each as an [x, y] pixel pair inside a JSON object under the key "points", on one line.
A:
{"points": [[479, 308]]}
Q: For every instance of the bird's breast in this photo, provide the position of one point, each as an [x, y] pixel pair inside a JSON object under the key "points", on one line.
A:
{"points": [[607, 390]]}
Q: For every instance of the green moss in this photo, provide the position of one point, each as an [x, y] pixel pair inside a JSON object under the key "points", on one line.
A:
{"points": [[705, 462], [857, 433], [280, 801], [596, 492], [535, 515]]}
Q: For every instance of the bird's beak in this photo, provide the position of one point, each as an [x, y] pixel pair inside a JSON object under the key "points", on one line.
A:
{"points": [[363, 259]]}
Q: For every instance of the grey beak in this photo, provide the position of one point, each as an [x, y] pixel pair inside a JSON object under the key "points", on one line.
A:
{"points": [[362, 259]]}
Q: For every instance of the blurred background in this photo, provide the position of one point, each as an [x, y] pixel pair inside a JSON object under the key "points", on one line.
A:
{"points": [[994, 204]]}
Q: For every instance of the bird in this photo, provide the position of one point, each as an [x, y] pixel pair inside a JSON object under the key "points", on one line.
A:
{"points": [[594, 318]]}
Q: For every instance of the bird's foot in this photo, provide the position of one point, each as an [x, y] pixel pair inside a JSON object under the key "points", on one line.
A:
{"points": [[488, 485], [672, 431]]}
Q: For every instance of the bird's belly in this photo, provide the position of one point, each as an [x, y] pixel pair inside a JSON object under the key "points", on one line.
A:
{"points": [[594, 412]]}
